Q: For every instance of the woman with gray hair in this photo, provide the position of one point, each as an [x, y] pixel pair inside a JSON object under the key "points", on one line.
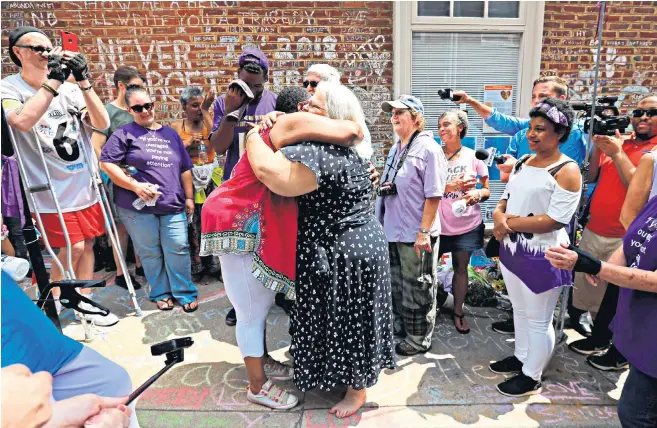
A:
{"points": [[460, 216], [341, 326], [194, 130], [325, 73], [412, 185]]}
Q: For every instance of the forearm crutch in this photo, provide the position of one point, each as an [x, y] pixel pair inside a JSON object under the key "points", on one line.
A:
{"points": [[110, 225]]}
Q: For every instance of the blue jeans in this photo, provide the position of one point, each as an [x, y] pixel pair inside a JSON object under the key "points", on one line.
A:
{"points": [[162, 245], [637, 407]]}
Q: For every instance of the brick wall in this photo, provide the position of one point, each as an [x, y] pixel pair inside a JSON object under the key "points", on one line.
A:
{"points": [[629, 48], [198, 43]]}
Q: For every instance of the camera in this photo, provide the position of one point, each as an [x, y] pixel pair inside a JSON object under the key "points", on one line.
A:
{"points": [[606, 119], [607, 125], [387, 189], [171, 346], [448, 94]]}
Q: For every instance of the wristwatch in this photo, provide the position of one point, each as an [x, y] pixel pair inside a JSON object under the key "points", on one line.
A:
{"points": [[425, 231]]}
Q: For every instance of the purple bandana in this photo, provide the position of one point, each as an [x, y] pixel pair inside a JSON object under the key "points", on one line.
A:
{"points": [[554, 114]]}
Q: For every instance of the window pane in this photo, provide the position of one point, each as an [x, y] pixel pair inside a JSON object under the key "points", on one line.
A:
{"points": [[465, 61], [433, 8], [469, 8], [503, 9]]}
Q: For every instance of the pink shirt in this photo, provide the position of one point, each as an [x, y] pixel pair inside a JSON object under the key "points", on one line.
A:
{"points": [[465, 163]]}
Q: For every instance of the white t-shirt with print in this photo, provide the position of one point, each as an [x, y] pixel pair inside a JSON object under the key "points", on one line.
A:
{"points": [[59, 135]]}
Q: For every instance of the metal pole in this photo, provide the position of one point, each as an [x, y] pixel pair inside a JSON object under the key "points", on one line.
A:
{"points": [[561, 317]]}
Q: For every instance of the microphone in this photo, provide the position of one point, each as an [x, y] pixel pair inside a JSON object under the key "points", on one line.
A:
{"points": [[482, 154]]}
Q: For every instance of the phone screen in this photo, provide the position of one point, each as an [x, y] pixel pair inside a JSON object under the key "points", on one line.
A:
{"points": [[69, 41]]}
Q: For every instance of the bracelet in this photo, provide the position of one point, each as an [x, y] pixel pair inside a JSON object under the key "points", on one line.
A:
{"points": [[425, 231], [50, 89], [85, 89], [248, 134]]}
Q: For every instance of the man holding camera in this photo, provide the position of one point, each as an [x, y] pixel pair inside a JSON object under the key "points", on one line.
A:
{"points": [[46, 111], [544, 87], [613, 162]]}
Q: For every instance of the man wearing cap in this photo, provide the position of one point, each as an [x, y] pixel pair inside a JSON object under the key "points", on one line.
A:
{"points": [[45, 111], [413, 183], [228, 131]]}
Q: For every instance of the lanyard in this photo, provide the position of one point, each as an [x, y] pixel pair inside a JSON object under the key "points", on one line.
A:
{"points": [[455, 153], [400, 163]]}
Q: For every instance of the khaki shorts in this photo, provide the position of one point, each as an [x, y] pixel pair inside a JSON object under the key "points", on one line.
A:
{"points": [[585, 296]]}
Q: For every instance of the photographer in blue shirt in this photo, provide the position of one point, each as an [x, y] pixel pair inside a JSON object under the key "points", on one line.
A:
{"points": [[544, 87]]}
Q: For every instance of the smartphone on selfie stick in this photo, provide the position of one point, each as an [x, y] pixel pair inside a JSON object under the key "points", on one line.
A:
{"points": [[175, 353], [69, 41]]}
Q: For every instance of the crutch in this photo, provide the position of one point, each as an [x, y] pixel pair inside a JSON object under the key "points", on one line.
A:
{"points": [[561, 319], [110, 225], [30, 190]]}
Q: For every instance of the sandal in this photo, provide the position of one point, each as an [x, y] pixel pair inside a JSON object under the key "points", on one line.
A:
{"points": [[460, 317], [165, 304], [190, 307]]}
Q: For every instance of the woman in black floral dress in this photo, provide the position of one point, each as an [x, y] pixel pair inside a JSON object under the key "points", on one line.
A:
{"points": [[342, 322]]}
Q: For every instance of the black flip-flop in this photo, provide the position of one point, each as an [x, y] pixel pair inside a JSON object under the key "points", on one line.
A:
{"points": [[187, 307], [169, 304], [461, 317]]}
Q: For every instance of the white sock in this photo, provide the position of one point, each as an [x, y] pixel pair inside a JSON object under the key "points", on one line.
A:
{"points": [[449, 302], [58, 305]]}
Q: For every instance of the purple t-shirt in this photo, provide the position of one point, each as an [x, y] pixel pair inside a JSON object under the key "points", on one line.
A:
{"points": [[422, 175], [254, 114], [636, 313], [159, 157]]}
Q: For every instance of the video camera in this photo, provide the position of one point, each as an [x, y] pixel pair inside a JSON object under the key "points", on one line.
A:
{"points": [[448, 94], [606, 119]]}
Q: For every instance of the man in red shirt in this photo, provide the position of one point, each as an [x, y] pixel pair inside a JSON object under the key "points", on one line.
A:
{"points": [[613, 161]]}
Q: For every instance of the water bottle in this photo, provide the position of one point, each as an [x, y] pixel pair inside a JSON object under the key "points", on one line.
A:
{"points": [[139, 203], [16, 267], [202, 154]]}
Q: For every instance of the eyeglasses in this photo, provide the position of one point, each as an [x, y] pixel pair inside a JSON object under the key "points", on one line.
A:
{"points": [[139, 108], [640, 112], [312, 84], [37, 49]]}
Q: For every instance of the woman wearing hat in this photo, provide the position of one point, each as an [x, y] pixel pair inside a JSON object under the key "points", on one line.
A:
{"points": [[413, 182]]}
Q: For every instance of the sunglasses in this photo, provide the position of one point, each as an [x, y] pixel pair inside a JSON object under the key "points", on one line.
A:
{"points": [[640, 112], [312, 84], [139, 108], [37, 49]]}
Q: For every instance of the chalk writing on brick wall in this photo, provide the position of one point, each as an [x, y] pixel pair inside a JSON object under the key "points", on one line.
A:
{"points": [[176, 44]]}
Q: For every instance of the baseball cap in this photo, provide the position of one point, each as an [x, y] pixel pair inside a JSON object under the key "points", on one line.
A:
{"points": [[255, 56], [15, 35], [405, 101]]}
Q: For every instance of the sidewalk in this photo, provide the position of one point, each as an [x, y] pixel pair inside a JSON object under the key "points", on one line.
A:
{"points": [[450, 386]]}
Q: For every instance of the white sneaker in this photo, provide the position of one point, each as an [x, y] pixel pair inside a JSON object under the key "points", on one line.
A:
{"points": [[273, 397], [98, 320], [276, 370]]}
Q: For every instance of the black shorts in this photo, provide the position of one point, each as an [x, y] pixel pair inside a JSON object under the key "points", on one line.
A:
{"points": [[468, 242]]}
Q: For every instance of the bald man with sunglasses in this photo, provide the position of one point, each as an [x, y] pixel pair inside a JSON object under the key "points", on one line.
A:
{"points": [[46, 111]]}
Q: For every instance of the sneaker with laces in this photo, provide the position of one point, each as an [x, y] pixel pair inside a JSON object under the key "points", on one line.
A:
{"points": [[272, 396], [588, 346], [612, 360], [519, 386], [276, 370], [509, 365], [504, 327], [98, 320]]}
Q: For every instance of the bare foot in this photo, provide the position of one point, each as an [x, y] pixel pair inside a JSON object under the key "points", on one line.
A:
{"points": [[352, 401]]}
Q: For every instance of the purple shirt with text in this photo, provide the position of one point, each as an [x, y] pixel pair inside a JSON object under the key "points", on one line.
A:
{"points": [[159, 157]]}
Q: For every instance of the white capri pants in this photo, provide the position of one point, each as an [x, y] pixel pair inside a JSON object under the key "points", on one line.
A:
{"points": [[532, 319], [251, 301]]}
